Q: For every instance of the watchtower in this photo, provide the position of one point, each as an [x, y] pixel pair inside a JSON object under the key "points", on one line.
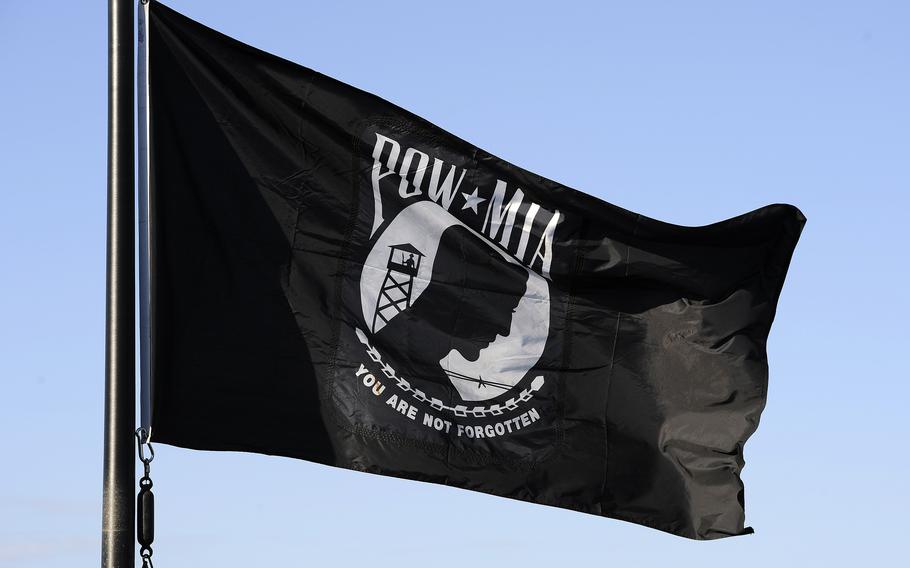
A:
{"points": [[395, 294]]}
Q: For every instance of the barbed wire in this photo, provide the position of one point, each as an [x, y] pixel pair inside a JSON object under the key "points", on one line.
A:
{"points": [[459, 410]]}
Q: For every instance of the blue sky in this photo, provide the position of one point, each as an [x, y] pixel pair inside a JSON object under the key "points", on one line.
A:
{"points": [[690, 112]]}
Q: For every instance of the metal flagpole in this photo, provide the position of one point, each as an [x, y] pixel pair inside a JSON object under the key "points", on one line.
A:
{"points": [[118, 505]]}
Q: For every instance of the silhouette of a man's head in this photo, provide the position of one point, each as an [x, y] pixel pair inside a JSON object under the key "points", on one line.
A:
{"points": [[469, 301]]}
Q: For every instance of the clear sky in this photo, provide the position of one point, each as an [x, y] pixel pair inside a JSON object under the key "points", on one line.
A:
{"points": [[690, 112]]}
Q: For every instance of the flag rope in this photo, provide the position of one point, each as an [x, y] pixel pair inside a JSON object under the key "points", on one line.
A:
{"points": [[145, 220]]}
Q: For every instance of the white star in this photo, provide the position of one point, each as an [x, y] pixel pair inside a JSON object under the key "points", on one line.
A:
{"points": [[472, 200]]}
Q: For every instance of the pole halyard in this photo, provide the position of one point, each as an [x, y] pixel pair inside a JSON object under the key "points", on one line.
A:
{"points": [[145, 225]]}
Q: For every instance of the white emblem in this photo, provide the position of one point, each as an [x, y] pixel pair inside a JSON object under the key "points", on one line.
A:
{"points": [[399, 269]]}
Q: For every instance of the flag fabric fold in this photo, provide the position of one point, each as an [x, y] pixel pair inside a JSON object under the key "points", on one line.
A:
{"points": [[338, 280]]}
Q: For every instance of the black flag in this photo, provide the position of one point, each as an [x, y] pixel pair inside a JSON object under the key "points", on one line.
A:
{"points": [[338, 280]]}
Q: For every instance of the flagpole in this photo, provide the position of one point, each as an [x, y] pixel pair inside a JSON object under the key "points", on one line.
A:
{"points": [[118, 505]]}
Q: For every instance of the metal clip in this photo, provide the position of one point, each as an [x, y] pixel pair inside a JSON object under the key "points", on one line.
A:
{"points": [[142, 441]]}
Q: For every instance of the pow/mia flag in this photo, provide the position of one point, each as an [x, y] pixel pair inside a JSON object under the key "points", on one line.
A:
{"points": [[338, 280]]}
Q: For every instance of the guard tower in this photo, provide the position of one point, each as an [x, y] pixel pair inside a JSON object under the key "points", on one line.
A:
{"points": [[395, 295]]}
